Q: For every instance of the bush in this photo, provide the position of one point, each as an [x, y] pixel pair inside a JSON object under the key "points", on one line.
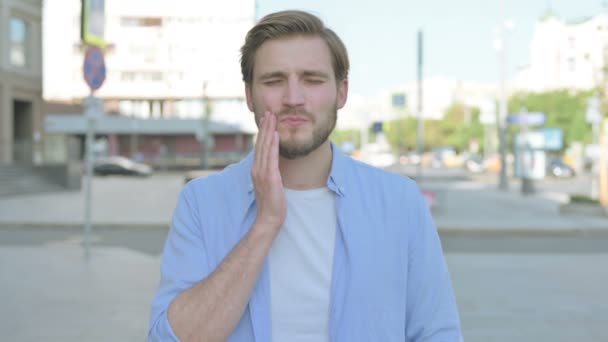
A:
{"points": [[583, 199]]}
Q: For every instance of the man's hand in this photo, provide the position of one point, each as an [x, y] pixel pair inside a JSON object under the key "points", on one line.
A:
{"points": [[270, 196], [211, 309]]}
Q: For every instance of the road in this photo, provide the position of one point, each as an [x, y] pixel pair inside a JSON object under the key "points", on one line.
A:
{"points": [[150, 241], [508, 288]]}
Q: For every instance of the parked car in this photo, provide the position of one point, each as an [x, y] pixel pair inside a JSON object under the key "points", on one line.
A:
{"points": [[445, 157], [120, 166], [557, 168], [474, 163]]}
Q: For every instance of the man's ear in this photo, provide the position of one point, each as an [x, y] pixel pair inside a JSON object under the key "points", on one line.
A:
{"points": [[249, 97], [342, 95]]}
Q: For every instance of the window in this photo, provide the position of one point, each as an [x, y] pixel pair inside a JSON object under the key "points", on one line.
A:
{"points": [[572, 42], [18, 41], [571, 64], [144, 76]]}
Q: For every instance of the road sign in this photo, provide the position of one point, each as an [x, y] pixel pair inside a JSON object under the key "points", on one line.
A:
{"points": [[94, 67], [527, 119], [399, 100], [92, 22], [593, 114], [93, 107], [378, 127], [554, 138]]}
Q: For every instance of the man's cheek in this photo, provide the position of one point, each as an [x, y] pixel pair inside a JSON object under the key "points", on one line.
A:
{"points": [[270, 103]]}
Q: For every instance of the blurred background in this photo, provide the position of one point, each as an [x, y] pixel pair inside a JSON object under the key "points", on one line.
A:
{"points": [[496, 108]]}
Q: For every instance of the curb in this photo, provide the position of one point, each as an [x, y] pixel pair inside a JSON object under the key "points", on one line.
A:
{"points": [[443, 230], [521, 232], [80, 226]]}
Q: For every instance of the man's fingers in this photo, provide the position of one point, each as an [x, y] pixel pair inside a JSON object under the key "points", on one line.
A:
{"points": [[264, 144], [274, 154], [260, 140], [262, 134], [270, 127]]}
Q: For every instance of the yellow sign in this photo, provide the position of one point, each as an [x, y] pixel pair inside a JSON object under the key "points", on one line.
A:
{"points": [[93, 23]]}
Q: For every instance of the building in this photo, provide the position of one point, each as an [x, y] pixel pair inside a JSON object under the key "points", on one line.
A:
{"points": [[160, 142], [21, 81], [566, 55], [164, 59]]}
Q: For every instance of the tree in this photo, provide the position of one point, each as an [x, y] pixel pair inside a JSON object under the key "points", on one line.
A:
{"points": [[460, 125], [564, 109], [341, 136]]}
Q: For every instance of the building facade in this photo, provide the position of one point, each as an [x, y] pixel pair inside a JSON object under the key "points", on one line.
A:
{"points": [[163, 59], [21, 81], [566, 55]]}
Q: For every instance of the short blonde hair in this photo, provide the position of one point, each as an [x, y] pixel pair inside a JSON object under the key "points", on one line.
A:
{"points": [[287, 24]]}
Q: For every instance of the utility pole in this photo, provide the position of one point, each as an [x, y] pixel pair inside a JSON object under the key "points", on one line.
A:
{"points": [[206, 139], [420, 123], [502, 113]]}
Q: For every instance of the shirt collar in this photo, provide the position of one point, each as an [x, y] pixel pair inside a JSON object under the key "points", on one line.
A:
{"points": [[335, 181], [337, 175]]}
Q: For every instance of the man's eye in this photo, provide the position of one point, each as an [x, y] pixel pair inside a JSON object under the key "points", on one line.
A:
{"points": [[314, 80], [272, 82]]}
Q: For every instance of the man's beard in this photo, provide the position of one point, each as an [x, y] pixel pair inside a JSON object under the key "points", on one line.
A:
{"points": [[294, 149]]}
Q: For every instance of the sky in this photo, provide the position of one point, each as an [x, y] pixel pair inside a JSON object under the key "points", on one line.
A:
{"points": [[458, 35]]}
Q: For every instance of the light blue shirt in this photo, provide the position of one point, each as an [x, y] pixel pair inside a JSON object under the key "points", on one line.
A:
{"points": [[389, 281]]}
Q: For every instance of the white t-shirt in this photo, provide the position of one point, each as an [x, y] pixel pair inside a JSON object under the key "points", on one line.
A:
{"points": [[301, 261]]}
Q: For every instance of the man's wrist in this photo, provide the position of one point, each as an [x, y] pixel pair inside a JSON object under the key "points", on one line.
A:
{"points": [[264, 231]]}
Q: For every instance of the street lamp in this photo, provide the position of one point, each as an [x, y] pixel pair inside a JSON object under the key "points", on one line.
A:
{"points": [[501, 48]]}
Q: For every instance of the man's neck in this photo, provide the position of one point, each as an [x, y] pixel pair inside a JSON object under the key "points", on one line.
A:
{"points": [[309, 172]]}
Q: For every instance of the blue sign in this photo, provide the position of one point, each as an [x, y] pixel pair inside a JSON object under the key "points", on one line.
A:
{"points": [[378, 127], [554, 138], [399, 100], [527, 119], [94, 67]]}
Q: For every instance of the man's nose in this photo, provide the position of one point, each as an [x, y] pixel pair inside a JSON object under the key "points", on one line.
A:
{"points": [[294, 95]]}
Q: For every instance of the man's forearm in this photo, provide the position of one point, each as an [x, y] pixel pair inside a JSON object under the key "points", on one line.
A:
{"points": [[210, 310]]}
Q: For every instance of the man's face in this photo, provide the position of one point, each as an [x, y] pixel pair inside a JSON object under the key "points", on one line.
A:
{"points": [[294, 79]]}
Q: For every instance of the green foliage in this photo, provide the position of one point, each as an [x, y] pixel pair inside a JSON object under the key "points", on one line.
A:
{"points": [[401, 133], [353, 135], [564, 109], [582, 199], [458, 127], [460, 124]]}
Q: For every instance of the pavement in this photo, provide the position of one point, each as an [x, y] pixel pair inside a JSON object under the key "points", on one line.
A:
{"points": [[527, 292], [463, 205], [56, 294]]}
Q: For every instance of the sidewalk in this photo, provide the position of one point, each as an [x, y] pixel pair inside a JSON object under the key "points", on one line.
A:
{"points": [[58, 295], [462, 207], [469, 207]]}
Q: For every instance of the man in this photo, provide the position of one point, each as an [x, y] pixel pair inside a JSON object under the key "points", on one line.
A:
{"points": [[298, 242]]}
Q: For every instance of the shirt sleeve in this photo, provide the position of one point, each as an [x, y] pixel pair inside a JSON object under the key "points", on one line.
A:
{"points": [[431, 312], [184, 263]]}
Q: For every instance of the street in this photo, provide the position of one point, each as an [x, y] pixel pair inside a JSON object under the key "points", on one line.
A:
{"points": [[544, 288], [150, 241], [520, 271]]}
